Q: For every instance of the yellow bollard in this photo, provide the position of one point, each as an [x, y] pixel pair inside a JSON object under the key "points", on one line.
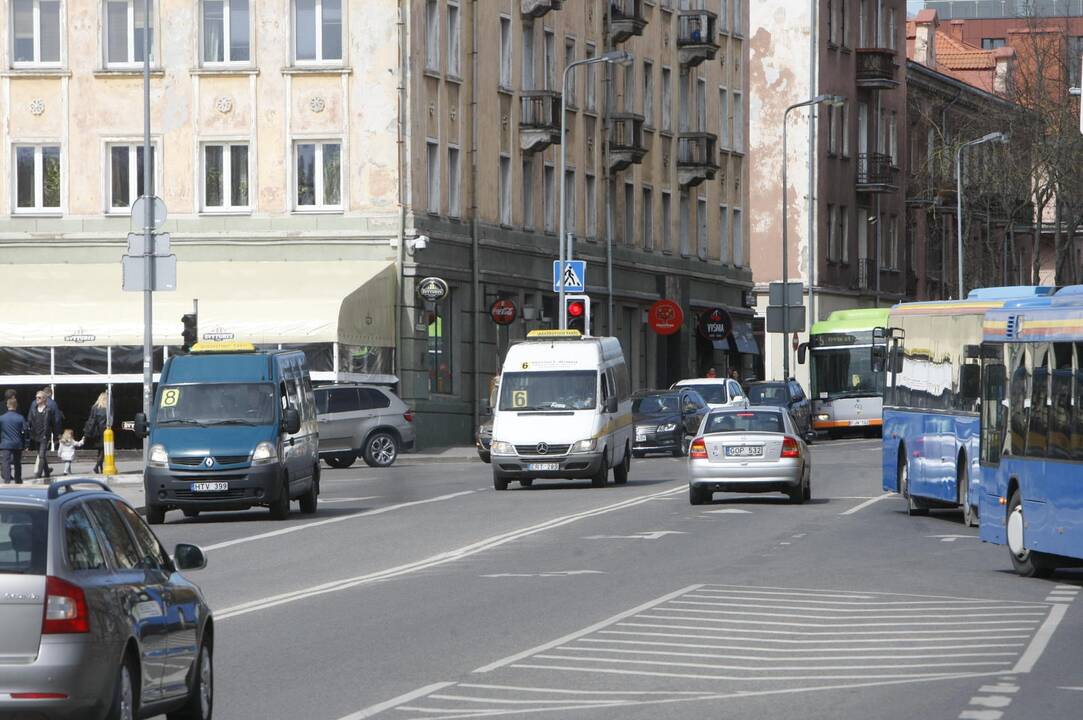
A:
{"points": [[109, 464]]}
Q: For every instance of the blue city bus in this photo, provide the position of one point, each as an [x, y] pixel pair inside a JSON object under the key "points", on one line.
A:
{"points": [[931, 397], [1032, 433]]}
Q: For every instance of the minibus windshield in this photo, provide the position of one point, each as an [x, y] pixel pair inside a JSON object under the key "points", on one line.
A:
{"points": [[557, 390], [216, 404]]}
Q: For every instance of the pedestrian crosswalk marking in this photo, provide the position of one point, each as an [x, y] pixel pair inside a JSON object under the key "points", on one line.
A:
{"points": [[571, 279]]}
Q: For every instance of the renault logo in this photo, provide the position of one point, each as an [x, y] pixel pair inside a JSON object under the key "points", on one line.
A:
{"points": [[209, 462], [543, 448]]}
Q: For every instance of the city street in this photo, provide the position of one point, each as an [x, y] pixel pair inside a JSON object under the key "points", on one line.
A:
{"points": [[419, 592]]}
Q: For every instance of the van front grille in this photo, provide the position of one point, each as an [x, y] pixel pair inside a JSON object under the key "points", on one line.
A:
{"points": [[550, 450]]}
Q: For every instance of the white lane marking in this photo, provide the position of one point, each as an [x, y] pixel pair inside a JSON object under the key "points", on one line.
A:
{"points": [[776, 668], [561, 691], [432, 561], [876, 604], [980, 715], [977, 631], [332, 501], [899, 616], [332, 521], [743, 602], [585, 631], [395, 702], [557, 573], [952, 538], [999, 688], [1071, 688], [1041, 639], [728, 511], [863, 595], [744, 648], [833, 625], [655, 535], [862, 506], [1067, 587], [991, 701], [701, 676], [806, 658], [799, 535], [494, 701], [780, 641]]}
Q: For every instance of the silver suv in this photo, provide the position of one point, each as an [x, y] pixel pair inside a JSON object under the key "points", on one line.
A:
{"points": [[96, 620], [366, 420]]}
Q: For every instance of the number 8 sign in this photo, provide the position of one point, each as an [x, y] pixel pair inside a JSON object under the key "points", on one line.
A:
{"points": [[170, 397]]}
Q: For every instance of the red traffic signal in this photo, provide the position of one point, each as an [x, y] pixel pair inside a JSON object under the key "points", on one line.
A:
{"points": [[576, 309]]}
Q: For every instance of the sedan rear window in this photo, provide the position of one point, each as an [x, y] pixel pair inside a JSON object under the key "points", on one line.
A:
{"points": [[712, 393], [745, 422], [23, 540], [767, 395]]}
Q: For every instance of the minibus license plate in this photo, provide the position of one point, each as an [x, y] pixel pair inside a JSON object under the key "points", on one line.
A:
{"points": [[210, 487], [744, 451], [859, 423], [542, 467]]}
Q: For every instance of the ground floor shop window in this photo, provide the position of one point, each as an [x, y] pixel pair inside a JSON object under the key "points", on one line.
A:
{"points": [[439, 351], [366, 359]]}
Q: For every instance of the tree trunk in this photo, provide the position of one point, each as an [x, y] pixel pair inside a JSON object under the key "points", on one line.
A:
{"points": [[1059, 261]]}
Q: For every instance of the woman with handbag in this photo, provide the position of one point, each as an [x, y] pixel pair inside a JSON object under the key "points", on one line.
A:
{"points": [[95, 426]]}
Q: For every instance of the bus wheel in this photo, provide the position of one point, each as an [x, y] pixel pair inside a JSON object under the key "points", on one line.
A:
{"points": [[1026, 562], [970, 517], [913, 507]]}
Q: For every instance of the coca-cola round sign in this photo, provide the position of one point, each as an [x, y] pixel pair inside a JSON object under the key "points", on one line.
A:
{"points": [[715, 324], [665, 317], [503, 312]]}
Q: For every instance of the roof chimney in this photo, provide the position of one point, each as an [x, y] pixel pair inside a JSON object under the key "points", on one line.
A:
{"points": [[956, 29], [925, 25], [1005, 58]]}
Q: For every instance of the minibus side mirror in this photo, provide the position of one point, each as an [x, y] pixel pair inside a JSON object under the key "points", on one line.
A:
{"points": [[879, 355], [970, 382], [139, 427], [291, 421], [611, 406]]}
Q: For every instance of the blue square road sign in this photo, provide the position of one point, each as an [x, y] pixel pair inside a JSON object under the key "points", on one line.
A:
{"points": [[575, 276]]}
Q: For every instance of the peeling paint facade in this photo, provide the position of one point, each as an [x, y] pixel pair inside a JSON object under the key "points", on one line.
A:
{"points": [[845, 197]]}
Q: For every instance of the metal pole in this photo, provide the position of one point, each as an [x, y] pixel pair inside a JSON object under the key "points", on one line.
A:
{"points": [[785, 257], [148, 225], [563, 160], [959, 213]]}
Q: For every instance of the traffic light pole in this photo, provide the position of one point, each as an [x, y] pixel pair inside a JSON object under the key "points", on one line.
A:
{"points": [[148, 229]]}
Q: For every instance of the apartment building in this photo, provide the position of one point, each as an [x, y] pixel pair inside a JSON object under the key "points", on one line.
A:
{"points": [[320, 158], [845, 196]]}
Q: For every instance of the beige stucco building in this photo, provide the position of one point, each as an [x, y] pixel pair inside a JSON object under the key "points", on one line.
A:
{"points": [[320, 157]]}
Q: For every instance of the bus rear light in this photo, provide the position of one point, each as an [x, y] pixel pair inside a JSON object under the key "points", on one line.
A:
{"points": [[698, 450]]}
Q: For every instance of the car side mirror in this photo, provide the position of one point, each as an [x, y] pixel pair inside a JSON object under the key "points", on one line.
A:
{"points": [[139, 427], [810, 436], [802, 351], [189, 557], [291, 421], [970, 382], [611, 406]]}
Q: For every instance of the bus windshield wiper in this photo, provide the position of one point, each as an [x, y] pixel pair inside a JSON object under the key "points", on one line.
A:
{"points": [[234, 421], [180, 421]]}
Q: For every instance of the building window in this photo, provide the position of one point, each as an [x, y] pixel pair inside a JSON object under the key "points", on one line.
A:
{"points": [[569, 58], [893, 138], [667, 223], [592, 102], [648, 94], [549, 61], [629, 91], [126, 175], [701, 222], [453, 182], [832, 22], [724, 15], [549, 199], [832, 130], [505, 52], [225, 176], [629, 213], [893, 243], [37, 178], [1075, 54], [441, 349], [667, 99], [590, 197], [832, 235], [432, 172], [725, 249], [862, 23], [527, 68], [738, 16], [992, 43], [647, 220], [701, 105], [683, 122], [738, 239], [685, 222], [892, 27], [844, 233], [225, 31], [454, 52], [738, 122], [845, 113], [432, 35], [319, 175], [317, 35], [528, 191], [569, 202], [124, 32], [36, 32], [724, 118], [505, 190], [843, 23]]}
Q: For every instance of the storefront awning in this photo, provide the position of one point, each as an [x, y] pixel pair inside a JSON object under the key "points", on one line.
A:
{"points": [[743, 338], [259, 302]]}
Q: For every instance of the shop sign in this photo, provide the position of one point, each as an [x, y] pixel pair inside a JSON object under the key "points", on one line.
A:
{"points": [[503, 312], [80, 337], [219, 334], [715, 324], [665, 317], [432, 289]]}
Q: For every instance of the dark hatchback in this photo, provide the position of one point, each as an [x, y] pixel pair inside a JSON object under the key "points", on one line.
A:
{"points": [[789, 395], [666, 420]]}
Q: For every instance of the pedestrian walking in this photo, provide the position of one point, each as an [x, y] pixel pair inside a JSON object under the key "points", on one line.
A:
{"points": [[711, 373], [41, 423], [66, 449], [12, 441], [95, 426], [58, 416]]}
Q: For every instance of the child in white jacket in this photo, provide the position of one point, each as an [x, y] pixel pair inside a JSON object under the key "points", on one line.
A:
{"points": [[66, 449]]}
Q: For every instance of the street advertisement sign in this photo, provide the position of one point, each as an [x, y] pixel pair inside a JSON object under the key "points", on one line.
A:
{"points": [[665, 317], [715, 324], [503, 312], [432, 289]]}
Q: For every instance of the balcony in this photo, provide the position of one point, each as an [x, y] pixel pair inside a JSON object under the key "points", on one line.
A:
{"points": [[866, 275], [697, 158], [876, 174], [876, 69], [626, 19], [697, 37], [626, 146], [537, 8], [539, 120]]}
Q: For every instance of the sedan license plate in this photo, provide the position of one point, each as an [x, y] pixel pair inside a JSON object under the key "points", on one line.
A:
{"points": [[744, 451], [542, 467], [859, 423], [210, 487]]}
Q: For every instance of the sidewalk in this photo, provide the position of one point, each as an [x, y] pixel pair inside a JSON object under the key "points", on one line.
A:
{"points": [[128, 482]]}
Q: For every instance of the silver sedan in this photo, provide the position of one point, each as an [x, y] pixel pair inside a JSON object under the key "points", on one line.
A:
{"points": [[749, 451]]}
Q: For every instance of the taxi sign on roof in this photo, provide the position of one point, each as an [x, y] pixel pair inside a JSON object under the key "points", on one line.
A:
{"points": [[554, 334], [231, 346]]}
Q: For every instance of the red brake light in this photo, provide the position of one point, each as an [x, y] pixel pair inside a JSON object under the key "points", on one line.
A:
{"points": [[746, 414], [408, 416], [65, 608], [698, 450], [38, 696], [790, 448]]}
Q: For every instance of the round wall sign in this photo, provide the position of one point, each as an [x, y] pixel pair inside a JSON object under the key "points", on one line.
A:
{"points": [[503, 312], [665, 317], [433, 289], [715, 324]]}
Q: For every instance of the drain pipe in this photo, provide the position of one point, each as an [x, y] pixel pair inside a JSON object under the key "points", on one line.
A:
{"points": [[814, 90], [403, 154], [609, 199], [475, 250]]}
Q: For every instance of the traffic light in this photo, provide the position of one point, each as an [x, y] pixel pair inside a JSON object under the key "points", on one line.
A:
{"points": [[190, 334], [577, 313]]}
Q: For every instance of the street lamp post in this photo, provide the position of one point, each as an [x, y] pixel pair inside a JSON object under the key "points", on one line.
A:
{"points": [[991, 137], [616, 56], [831, 100]]}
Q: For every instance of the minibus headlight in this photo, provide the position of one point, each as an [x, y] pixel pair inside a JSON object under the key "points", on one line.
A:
{"points": [[157, 457], [585, 446], [823, 416], [264, 453], [499, 447]]}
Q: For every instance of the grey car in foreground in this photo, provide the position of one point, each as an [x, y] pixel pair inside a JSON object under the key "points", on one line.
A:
{"points": [[366, 421], [749, 451], [96, 620]]}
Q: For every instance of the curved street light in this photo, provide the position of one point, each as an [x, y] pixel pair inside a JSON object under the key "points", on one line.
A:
{"points": [[991, 137]]}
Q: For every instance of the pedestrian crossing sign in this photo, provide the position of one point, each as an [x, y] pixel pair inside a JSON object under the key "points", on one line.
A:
{"points": [[575, 276]]}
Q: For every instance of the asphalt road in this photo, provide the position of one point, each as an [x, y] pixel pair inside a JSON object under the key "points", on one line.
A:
{"points": [[419, 592]]}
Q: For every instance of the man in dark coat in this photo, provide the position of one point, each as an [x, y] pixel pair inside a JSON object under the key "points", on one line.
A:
{"points": [[12, 432], [42, 422]]}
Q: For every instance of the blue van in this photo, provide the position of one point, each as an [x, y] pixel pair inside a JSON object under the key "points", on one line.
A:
{"points": [[231, 428]]}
